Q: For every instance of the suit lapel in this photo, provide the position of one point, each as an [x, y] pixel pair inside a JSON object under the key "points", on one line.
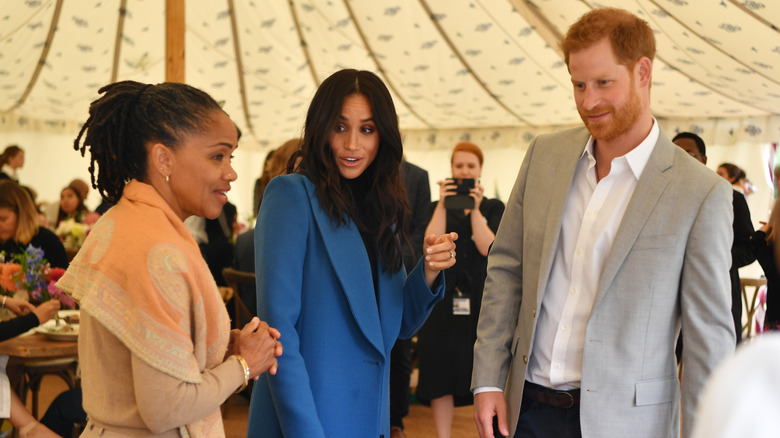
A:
{"points": [[563, 161], [348, 257], [649, 188]]}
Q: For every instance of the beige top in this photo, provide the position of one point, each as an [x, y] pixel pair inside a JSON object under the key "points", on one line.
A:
{"points": [[124, 394], [154, 330]]}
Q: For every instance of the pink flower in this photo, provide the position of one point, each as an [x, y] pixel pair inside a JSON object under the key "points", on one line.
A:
{"points": [[57, 293]]}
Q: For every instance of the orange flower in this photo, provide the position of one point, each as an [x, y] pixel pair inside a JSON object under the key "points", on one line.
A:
{"points": [[7, 281]]}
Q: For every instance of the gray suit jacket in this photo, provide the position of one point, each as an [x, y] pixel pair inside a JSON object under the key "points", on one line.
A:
{"points": [[668, 268]]}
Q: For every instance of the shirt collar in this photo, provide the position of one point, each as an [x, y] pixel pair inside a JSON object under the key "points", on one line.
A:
{"points": [[638, 157], [8, 170]]}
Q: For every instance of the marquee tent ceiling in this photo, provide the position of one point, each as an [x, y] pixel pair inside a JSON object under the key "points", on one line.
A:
{"points": [[450, 64]]}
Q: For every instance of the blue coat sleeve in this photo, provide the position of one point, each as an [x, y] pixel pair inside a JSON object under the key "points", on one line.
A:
{"points": [[280, 248], [419, 300]]}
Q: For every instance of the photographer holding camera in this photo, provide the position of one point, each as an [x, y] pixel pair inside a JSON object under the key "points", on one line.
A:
{"points": [[445, 343]]}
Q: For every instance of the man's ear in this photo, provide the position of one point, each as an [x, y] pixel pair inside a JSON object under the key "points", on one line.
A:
{"points": [[644, 71]]}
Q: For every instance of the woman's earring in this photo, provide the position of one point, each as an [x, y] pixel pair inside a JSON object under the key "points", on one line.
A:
{"points": [[167, 178]]}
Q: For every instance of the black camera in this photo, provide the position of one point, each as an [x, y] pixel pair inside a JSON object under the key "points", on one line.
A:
{"points": [[461, 199]]}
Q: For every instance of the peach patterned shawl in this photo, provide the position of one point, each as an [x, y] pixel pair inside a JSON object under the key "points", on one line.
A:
{"points": [[141, 274]]}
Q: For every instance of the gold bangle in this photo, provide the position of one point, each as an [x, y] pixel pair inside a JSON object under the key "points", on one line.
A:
{"points": [[245, 366]]}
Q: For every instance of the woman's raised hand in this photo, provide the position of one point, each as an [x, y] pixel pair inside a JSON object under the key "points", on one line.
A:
{"points": [[257, 343], [19, 307], [46, 311], [439, 253], [477, 193], [447, 187]]}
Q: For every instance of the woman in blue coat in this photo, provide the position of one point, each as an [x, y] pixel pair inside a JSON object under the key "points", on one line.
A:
{"points": [[329, 270]]}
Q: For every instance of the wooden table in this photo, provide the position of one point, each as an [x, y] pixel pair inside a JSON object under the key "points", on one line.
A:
{"points": [[38, 346], [34, 355]]}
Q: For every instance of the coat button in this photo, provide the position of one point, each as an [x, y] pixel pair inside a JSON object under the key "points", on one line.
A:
{"points": [[525, 359], [534, 312]]}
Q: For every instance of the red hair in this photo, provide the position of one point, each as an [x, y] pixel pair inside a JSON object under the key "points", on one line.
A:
{"points": [[467, 146], [630, 36]]}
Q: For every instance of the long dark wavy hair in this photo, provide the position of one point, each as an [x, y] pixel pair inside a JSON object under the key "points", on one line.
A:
{"points": [[130, 114], [384, 212]]}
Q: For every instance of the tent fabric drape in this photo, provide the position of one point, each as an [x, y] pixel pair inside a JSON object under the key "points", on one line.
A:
{"points": [[451, 65]]}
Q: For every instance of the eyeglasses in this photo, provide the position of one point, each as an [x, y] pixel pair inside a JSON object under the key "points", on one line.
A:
{"points": [[694, 154]]}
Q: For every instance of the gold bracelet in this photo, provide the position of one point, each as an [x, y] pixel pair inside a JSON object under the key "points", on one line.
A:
{"points": [[245, 366], [2, 306]]}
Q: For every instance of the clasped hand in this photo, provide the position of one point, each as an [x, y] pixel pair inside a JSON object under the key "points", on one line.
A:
{"points": [[258, 344]]}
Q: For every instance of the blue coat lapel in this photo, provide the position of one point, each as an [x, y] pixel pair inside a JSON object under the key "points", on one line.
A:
{"points": [[349, 259]]}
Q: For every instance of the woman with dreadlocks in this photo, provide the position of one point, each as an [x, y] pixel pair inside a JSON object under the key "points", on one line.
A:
{"points": [[157, 355]]}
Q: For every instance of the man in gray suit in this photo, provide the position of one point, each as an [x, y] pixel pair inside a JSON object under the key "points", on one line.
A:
{"points": [[612, 240]]}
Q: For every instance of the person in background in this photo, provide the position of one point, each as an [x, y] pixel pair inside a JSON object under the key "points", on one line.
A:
{"points": [[763, 243], [330, 272], [11, 160], [150, 310], [260, 183], [219, 247], [244, 256], [737, 177], [763, 246], [418, 191], [742, 226], [275, 164], [612, 240], [20, 227], [446, 342], [11, 406], [72, 205]]}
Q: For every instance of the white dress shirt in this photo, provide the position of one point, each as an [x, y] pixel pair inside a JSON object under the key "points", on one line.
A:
{"points": [[591, 218]]}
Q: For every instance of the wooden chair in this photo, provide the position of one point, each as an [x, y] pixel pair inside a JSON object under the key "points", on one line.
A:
{"points": [[34, 371], [750, 305], [234, 278]]}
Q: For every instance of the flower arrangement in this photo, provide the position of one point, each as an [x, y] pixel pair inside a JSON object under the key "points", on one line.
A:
{"points": [[29, 272], [71, 233]]}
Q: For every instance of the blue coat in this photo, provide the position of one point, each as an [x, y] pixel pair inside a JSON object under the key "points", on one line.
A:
{"points": [[314, 284]]}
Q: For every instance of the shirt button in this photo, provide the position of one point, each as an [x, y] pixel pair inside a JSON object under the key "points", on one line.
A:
{"points": [[573, 290], [564, 328], [557, 366], [579, 251]]}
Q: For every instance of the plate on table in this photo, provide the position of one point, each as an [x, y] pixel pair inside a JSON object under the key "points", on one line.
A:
{"points": [[62, 332]]}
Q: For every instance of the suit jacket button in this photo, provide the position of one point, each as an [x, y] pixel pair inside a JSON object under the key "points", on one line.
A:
{"points": [[525, 359], [534, 312]]}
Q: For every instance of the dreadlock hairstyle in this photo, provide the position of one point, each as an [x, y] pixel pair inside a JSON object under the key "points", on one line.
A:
{"points": [[127, 117], [384, 212]]}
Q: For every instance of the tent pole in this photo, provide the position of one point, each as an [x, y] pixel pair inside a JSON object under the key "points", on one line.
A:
{"points": [[174, 41]]}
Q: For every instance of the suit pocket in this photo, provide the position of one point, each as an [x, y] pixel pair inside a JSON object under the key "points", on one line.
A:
{"points": [[655, 242], [653, 392]]}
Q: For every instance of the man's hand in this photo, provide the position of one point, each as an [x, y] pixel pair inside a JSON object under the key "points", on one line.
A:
{"points": [[486, 406]]}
